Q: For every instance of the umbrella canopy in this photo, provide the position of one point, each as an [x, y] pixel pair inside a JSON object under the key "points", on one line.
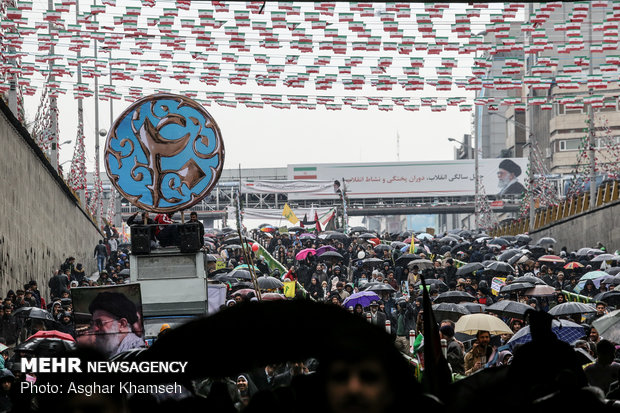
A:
{"points": [[233, 247], [52, 334], [323, 249], [267, 282], [593, 275], [524, 239], [372, 261], [529, 278], [469, 268], [424, 236], [609, 297], [565, 330], [448, 239], [406, 258], [382, 247], [546, 241], [422, 264], [474, 308], [608, 326], [517, 259], [241, 273], [363, 297], [33, 312], [508, 308], [295, 229], [551, 258], [449, 311], [540, 291], [381, 287], [367, 235], [397, 244], [337, 236], [472, 323], [506, 255], [235, 240], [246, 267], [499, 266], [358, 229], [303, 254], [306, 236], [515, 287], [499, 241], [272, 297], [331, 255], [46, 346], [571, 308], [463, 246], [573, 265], [245, 291], [124, 272], [454, 297], [613, 270], [605, 257]]}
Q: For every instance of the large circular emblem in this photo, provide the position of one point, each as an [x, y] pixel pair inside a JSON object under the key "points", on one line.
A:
{"points": [[164, 153]]}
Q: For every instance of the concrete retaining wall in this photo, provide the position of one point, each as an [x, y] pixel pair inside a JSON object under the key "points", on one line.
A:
{"points": [[586, 229], [41, 222]]}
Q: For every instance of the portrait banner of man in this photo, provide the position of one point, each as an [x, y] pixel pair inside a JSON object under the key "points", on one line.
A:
{"points": [[508, 173], [109, 318]]}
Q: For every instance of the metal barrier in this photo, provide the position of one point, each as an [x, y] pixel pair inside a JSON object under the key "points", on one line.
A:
{"points": [[606, 193]]}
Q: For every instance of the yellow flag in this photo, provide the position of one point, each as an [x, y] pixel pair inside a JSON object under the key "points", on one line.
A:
{"points": [[289, 289], [412, 246], [288, 213]]}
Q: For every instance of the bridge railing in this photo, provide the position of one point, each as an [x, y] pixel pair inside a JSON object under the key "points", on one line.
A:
{"points": [[606, 193]]}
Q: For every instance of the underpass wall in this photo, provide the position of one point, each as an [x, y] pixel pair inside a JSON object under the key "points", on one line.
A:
{"points": [[586, 229], [41, 222]]}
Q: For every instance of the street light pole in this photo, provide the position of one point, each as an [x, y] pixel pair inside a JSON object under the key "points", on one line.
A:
{"points": [[591, 136]]}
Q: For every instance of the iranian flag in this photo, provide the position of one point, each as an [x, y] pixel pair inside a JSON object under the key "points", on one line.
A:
{"points": [[305, 172]]}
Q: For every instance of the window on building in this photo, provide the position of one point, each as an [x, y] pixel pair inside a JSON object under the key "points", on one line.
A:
{"points": [[569, 145]]}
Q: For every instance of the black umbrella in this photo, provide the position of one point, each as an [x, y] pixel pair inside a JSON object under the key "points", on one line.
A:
{"points": [[382, 247], [615, 280], [463, 246], [609, 297], [33, 312], [379, 287], [296, 229], [241, 273], [474, 308], [509, 238], [267, 282], [358, 229], [529, 279], [515, 258], [499, 266], [398, 244], [508, 308], [124, 271], [233, 247], [225, 278], [405, 258], [236, 240], [506, 255], [440, 285], [613, 270], [449, 311], [448, 239], [337, 236], [546, 241], [241, 286], [372, 261], [465, 234], [331, 255], [367, 235], [469, 268], [454, 297], [571, 308], [43, 347], [515, 287], [524, 239], [498, 241]]}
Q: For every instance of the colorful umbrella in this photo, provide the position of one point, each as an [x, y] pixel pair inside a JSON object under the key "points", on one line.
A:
{"points": [[303, 254], [324, 249], [565, 330], [551, 258], [52, 334], [363, 297], [573, 265]]}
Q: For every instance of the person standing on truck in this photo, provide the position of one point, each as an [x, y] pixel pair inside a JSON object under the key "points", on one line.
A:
{"points": [[144, 220], [193, 218]]}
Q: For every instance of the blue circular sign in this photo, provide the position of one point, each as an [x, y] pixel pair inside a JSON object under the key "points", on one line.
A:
{"points": [[164, 153]]}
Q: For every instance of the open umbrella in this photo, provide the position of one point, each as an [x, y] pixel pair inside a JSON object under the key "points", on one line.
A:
{"points": [[33, 312], [508, 254], [272, 297], [372, 261], [448, 239], [337, 236], [422, 264], [472, 323], [367, 235], [571, 308], [449, 311], [424, 236], [605, 257], [124, 272], [573, 265], [406, 258], [241, 273], [499, 266], [455, 297], [45, 347], [515, 287], [529, 278], [470, 268], [551, 258], [565, 330], [397, 244], [613, 270], [246, 267], [382, 247], [608, 326], [52, 334], [303, 254], [233, 247], [609, 297], [546, 241], [267, 282], [358, 229], [363, 297], [508, 308], [593, 275], [499, 241], [323, 249], [306, 236], [540, 291], [245, 291], [331, 255], [524, 239], [474, 308], [381, 287]]}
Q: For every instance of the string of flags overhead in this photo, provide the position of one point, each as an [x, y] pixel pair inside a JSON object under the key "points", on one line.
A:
{"points": [[325, 49]]}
